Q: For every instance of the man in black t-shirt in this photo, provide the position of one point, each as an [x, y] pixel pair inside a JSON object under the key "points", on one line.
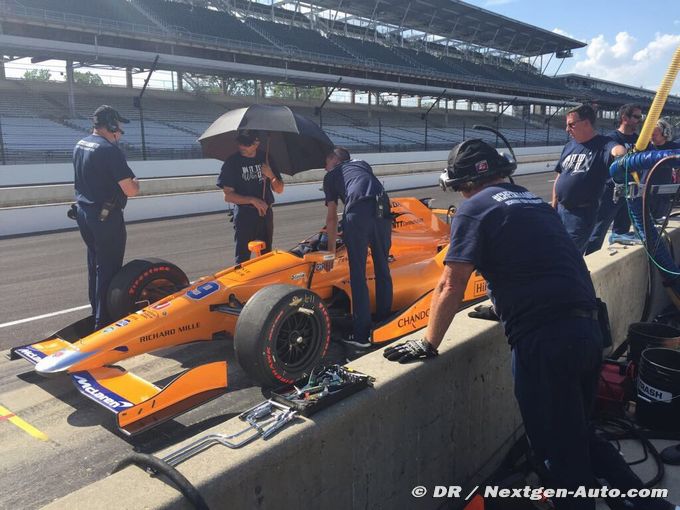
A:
{"points": [[247, 181], [542, 292], [103, 181]]}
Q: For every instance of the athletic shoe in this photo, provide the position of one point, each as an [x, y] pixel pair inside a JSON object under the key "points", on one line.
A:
{"points": [[359, 344], [626, 239]]}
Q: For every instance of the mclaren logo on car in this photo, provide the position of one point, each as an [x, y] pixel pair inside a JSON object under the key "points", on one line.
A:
{"points": [[97, 394]]}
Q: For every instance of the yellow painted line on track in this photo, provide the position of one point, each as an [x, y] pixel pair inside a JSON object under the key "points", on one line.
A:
{"points": [[7, 415]]}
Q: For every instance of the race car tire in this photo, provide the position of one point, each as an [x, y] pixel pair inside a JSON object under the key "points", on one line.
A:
{"points": [[141, 282], [282, 332]]}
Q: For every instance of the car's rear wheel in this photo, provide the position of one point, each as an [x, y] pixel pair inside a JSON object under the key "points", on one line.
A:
{"points": [[141, 282], [282, 332]]}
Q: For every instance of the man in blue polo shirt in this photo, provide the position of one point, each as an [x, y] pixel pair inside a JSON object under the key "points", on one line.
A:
{"points": [[542, 293], [366, 223], [582, 171], [103, 181]]}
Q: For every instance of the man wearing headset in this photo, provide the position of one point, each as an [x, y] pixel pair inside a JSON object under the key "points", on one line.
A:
{"points": [[103, 182], [667, 173], [543, 295]]}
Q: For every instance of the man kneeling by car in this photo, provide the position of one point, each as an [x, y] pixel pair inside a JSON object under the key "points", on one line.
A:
{"points": [[542, 292]]}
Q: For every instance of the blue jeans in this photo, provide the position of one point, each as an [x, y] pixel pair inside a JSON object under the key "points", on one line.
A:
{"points": [[579, 223], [105, 242], [556, 369], [361, 230], [607, 213]]}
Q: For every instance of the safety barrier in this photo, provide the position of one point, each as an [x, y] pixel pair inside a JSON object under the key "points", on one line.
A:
{"points": [[447, 421], [186, 188]]}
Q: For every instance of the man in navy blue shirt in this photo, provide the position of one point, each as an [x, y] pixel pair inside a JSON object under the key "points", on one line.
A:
{"points": [[247, 180], [583, 170], [103, 181], [542, 292], [630, 116], [366, 223]]}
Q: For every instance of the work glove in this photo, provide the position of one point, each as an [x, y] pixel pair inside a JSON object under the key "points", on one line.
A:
{"points": [[486, 312], [408, 351]]}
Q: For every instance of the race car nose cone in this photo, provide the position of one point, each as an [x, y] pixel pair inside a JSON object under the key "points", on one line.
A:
{"points": [[60, 361]]}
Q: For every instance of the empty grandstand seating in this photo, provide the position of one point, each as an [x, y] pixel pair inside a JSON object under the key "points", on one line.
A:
{"points": [[300, 38], [108, 9], [173, 121], [370, 51], [199, 20]]}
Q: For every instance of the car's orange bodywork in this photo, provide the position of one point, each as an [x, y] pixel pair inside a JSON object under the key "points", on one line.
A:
{"points": [[211, 305]]}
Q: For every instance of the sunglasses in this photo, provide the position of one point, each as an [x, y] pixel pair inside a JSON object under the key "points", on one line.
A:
{"points": [[571, 125], [243, 143]]}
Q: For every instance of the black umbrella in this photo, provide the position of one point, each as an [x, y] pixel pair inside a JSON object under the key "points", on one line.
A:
{"points": [[295, 143]]}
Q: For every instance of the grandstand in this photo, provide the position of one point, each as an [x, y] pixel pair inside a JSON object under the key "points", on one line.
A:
{"points": [[484, 63]]}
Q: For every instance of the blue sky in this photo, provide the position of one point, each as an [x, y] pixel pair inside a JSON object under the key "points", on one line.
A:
{"points": [[630, 42]]}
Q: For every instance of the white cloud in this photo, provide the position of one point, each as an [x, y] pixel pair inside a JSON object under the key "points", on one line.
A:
{"points": [[626, 61], [559, 31]]}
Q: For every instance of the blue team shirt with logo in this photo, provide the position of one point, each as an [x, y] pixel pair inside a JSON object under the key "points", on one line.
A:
{"points": [[99, 165], [352, 181], [584, 170], [245, 176], [518, 243], [623, 139]]}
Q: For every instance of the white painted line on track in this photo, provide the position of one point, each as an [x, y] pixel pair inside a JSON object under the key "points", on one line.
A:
{"points": [[44, 316], [53, 314]]}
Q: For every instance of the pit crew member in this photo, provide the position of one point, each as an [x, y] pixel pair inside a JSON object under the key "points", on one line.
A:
{"points": [[542, 292], [103, 182]]}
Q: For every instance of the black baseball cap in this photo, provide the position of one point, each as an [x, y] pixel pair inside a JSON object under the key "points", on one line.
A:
{"points": [[247, 136], [472, 160], [107, 115]]}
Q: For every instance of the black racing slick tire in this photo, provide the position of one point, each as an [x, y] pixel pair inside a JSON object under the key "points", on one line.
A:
{"points": [[141, 282], [282, 332]]}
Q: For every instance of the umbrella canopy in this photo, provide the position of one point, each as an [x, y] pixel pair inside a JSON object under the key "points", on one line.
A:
{"points": [[295, 143]]}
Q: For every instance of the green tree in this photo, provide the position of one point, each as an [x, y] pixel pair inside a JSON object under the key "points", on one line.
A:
{"points": [[237, 87], [37, 75], [87, 78]]}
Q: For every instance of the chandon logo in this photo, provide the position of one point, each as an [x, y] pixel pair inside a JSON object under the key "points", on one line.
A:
{"points": [[99, 395], [414, 319]]}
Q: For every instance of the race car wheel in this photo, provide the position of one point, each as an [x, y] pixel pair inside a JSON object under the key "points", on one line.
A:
{"points": [[141, 282], [282, 333]]}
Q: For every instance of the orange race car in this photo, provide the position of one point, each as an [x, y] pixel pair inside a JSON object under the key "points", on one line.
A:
{"points": [[280, 309]]}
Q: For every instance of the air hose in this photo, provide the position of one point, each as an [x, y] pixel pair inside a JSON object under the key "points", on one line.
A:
{"points": [[658, 253], [158, 466], [659, 102]]}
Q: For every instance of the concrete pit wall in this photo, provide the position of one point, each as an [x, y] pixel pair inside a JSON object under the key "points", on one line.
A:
{"points": [[447, 421]]}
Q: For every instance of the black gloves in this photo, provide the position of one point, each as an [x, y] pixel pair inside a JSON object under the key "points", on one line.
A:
{"points": [[408, 351], [484, 312]]}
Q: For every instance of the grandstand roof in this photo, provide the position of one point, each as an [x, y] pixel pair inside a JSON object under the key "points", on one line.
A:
{"points": [[458, 20]]}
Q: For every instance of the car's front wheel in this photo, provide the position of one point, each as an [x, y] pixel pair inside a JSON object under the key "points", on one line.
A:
{"points": [[141, 282], [282, 332]]}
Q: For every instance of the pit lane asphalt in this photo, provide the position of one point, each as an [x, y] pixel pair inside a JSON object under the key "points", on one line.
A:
{"points": [[46, 273]]}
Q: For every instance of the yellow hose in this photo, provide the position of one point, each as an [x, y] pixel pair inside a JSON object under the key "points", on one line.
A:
{"points": [[658, 103]]}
